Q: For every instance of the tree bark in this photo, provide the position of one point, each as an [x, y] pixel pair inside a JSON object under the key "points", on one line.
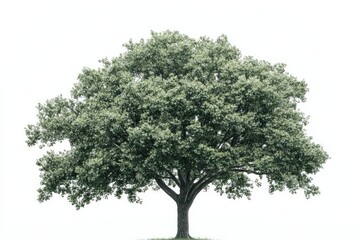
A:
{"points": [[183, 220]]}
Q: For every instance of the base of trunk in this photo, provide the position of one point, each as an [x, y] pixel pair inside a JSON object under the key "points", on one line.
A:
{"points": [[183, 236], [183, 221]]}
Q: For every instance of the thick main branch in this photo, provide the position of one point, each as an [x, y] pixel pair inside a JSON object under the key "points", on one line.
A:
{"points": [[167, 189], [196, 187]]}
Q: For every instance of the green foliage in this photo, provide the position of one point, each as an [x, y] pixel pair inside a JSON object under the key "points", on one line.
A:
{"points": [[173, 111]]}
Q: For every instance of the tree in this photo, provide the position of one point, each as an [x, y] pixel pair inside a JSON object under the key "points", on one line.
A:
{"points": [[177, 114]]}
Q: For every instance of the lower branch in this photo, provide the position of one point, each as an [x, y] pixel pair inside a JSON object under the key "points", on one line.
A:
{"points": [[167, 189]]}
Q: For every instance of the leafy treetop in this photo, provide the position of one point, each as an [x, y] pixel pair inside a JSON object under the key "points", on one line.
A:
{"points": [[174, 112]]}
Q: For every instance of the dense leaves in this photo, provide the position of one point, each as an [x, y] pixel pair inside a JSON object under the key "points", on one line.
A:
{"points": [[174, 113]]}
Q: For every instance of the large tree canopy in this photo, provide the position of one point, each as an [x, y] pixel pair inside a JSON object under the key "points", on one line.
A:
{"points": [[178, 114]]}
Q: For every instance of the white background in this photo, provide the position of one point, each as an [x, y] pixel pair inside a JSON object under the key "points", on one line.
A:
{"points": [[45, 44]]}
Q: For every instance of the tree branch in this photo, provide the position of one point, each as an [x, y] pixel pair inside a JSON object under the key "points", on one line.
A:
{"points": [[234, 140], [200, 185], [181, 178], [202, 179], [73, 110], [225, 139], [166, 189], [173, 177], [240, 169], [195, 188], [188, 174]]}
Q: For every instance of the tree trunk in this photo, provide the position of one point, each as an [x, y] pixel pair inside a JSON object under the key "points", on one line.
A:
{"points": [[184, 200], [183, 220]]}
